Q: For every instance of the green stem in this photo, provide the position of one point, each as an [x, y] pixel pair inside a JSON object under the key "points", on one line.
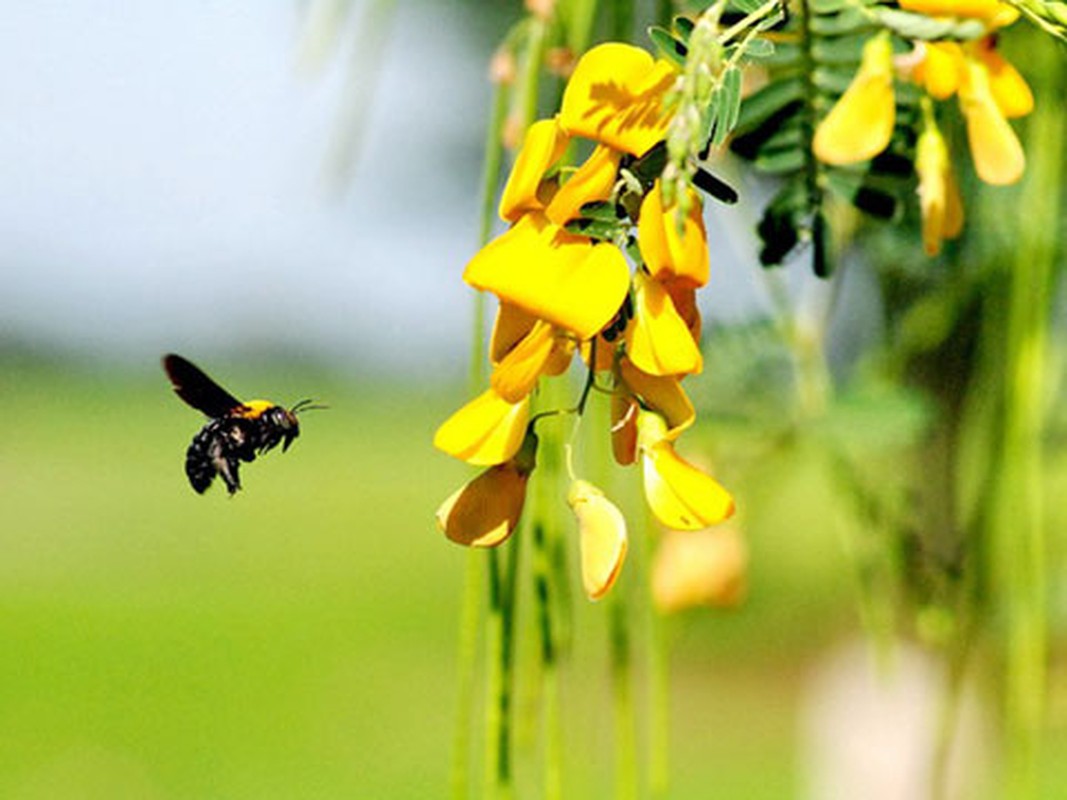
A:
{"points": [[501, 650], [1020, 528], [470, 615], [543, 592], [625, 723]]}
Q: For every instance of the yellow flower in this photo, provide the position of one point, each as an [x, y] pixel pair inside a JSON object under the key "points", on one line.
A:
{"points": [[680, 495], [635, 389], [699, 568], [993, 12], [544, 145], [602, 532], [553, 275], [615, 96], [484, 512], [668, 255], [998, 156], [860, 124], [658, 340], [939, 198], [1011, 93], [941, 69], [593, 180], [488, 430], [541, 351]]}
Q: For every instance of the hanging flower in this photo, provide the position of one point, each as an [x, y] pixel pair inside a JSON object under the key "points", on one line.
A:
{"points": [[670, 255], [997, 153], [488, 430], [939, 198], [860, 124], [680, 495], [699, 568], [485, 512], [602, 534], [658, 341]]}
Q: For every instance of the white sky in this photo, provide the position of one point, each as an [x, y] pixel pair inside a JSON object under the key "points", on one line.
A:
{"points": [[162, 183]]}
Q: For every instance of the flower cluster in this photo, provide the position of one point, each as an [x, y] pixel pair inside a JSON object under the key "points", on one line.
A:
{"points": [[990, 91], [566, 289]]}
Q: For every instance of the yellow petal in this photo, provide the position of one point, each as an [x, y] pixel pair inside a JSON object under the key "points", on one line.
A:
{"points": [[488, 430], [668, 255], [699, 568], [993, 12], [602, 532], [543, 147], [624, 410], [939, 197], [510, 327], [663, 394], [680, 495], [941, 69], [485, 511], [1010, 91], [860, 124], [553, 275], [658, 341], [592, 181], [517, 373], [998, 156], [615, 97]]}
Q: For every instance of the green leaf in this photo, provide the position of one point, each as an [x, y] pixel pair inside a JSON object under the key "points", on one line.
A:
{"points": [[671, 48], [847, 22], [864, 195], [684, 26], [761, 106], [756, 48], [919, 26], [780, 162], [838, 50], [727, 106]]}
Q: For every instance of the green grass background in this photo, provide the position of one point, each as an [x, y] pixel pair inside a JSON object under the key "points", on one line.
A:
{"points": [[299, 640]]}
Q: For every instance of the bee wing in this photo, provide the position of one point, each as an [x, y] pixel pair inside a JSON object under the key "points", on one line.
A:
{"points": [[197, 389]]}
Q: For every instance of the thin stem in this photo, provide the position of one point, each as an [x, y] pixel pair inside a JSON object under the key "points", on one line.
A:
{"points": [[625, 722]]}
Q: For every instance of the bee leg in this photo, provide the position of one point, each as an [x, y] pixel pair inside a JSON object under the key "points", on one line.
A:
{"points": [[228, 470]]}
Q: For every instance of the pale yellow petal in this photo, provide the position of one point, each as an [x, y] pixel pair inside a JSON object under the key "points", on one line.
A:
{"points": [[602, 532], [699, 568]]}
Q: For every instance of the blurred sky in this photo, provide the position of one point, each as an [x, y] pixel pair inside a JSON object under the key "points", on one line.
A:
{"points": [[165, 183]]}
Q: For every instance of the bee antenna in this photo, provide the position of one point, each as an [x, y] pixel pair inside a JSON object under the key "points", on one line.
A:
{"points": [[307, 405]]}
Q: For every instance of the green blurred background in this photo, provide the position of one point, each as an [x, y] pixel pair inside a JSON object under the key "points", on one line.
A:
{"points": [[300, 639]]}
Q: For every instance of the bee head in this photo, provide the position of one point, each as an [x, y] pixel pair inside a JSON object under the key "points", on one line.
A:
{"points": [[287, 422]]}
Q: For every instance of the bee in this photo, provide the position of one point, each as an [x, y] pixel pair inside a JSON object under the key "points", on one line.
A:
{"points": [[236, 432]]}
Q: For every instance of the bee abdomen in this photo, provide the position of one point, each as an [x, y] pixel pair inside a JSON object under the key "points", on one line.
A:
{"points": [[217, 450]]}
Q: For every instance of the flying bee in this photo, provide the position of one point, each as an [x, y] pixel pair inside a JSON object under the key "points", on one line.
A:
{"points": [[236, 432]]}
